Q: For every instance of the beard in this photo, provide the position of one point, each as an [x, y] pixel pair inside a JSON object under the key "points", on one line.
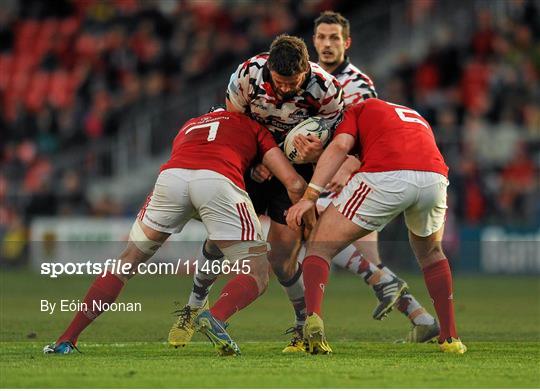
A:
{"points": [[330, 63], [288, 95]]}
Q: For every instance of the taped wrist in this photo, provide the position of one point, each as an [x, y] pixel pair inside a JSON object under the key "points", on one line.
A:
{"points": [[311, 194]]}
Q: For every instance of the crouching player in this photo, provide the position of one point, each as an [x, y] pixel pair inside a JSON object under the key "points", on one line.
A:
{"points": [[204, 175], [402, 171]]}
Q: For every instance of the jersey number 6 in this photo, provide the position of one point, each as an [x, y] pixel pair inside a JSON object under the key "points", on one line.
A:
{"points": [[412, 116]]}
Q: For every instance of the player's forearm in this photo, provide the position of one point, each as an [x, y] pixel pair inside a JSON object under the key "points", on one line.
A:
{"points": [[327, 166], [350, 165], [296, 188], [278, 164]]}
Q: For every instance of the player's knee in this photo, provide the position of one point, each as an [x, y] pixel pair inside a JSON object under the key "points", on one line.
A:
{"points": [[210, 250], [245, 250], [138, 237], [437, 253], [434, 254], [254, 252], [259, 272], [278, 262]]}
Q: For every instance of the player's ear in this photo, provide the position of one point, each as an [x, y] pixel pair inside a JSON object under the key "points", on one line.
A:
{"points": [[348, 42]]}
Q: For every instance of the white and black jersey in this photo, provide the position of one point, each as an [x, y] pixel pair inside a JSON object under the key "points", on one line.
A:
{"points": [[356, 85], [250, 89]]}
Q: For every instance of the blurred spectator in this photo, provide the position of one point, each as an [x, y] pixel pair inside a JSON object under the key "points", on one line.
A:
{"points": [[482, 99], [43, 202], [72, 199], [107, 206], [518, 181]]}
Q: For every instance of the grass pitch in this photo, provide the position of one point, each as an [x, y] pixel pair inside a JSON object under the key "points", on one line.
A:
{"points": [[498, 318]]}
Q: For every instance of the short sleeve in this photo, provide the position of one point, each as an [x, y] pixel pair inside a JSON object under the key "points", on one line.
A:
{"points": [[349, 123], [238, 88], [265, 140], [332, 104], [359, 89]]}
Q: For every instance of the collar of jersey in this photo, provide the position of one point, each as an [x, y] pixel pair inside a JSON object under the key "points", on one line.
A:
{"points": [[341, 66]]}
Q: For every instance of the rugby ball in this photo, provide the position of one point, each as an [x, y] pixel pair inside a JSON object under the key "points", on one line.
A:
{"points": [[314, 126]]}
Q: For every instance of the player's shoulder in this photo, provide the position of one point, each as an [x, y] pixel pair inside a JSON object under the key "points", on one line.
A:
{"points": [[244, 120], [255, 64], [374, 103], [322, 83], [370, 103], [353, 72], [226, 115], [221, 115], [228, 120], [319, 74], [318, 71]]}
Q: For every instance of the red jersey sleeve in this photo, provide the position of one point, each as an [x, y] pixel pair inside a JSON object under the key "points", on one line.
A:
{"points": [[349, 123], [265, 141]]}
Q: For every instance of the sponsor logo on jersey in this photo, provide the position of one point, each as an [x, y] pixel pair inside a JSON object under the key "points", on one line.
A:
{"points": [[298, 115], [260, 106]]}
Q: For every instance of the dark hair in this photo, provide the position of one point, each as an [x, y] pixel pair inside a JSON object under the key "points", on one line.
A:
{"points": [[331, 17], [288, 56]]}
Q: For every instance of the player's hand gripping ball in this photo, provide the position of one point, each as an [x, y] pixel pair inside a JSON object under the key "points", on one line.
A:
{"points": [[312, 126]]}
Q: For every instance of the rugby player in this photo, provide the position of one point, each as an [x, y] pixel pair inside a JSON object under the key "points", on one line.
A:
{"points": [[331, 39], [279, 89], [402, 171], [204, 175]]}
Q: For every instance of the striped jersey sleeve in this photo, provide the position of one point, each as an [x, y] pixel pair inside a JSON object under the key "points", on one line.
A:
{"points": [[356, 85]]}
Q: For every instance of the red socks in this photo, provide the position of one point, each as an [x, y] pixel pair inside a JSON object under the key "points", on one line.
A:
{"points": [[239, 292], [105, 289], [315, 270], [438, 278]]}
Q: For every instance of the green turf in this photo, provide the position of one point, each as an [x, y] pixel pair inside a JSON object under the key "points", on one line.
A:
{"points": [[498, 318]]}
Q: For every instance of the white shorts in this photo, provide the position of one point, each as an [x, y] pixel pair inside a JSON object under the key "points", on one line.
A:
{"points": [[180, 194], [322, 203], [373, 199]]}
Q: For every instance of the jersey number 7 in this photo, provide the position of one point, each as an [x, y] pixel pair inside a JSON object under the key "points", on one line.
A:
{"points": [[212, 132]]}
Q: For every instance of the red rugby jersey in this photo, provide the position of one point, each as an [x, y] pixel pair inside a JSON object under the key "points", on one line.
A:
{"points": [[223, 142], [392, 137]]}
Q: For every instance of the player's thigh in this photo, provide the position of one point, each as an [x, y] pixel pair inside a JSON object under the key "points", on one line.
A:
{"points": [[282, 240], [225, 209], [332, 233], [369, 247], [168, 207], [427, 214], [372, 200], [142, 244]]}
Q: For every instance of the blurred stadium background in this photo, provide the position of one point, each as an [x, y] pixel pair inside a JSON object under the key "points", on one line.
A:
{"points": [[93, 92]]}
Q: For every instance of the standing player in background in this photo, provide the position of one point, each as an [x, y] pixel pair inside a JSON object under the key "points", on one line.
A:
{"points": [[402, 171], [204, 175], [331, 40], [279, 89]]}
